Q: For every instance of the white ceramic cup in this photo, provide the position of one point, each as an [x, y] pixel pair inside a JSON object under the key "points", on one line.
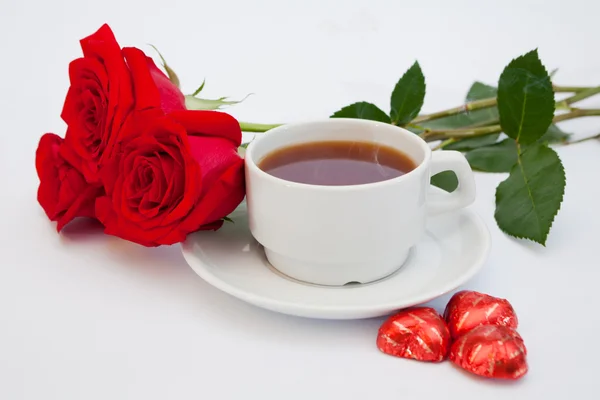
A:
{"points": [[334, 235]]}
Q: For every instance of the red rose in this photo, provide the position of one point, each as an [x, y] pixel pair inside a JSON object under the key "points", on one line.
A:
{"points": [[172, 175], [63, 192], [100, 98]]}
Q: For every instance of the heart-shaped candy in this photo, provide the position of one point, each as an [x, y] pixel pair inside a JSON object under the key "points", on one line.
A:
{"points": [[491, 351], [417, 333], [467, 310]]}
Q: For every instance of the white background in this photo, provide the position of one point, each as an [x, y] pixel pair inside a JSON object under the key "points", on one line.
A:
{"points": [[85, 316]]}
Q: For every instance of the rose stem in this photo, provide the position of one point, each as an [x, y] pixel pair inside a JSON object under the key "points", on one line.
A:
{"points": [[444, 144], [431, 136], [568, 89], [580, 112], [584, 94], [581, 94], [252, 127], [584, 139], [471, 106]]}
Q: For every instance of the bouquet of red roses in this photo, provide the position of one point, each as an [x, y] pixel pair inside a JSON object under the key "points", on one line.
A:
{"points": [[133, 156], [153, 165]]}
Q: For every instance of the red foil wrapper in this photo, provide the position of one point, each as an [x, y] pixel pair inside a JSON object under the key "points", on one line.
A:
{"points": [[491, 351], [417, 333], [467, 310]]}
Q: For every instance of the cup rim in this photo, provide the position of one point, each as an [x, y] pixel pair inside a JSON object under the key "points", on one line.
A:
{"points": [[253, 167]]}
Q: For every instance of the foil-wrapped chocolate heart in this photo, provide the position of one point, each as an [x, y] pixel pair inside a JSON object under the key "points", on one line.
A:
{"points": [[491, 351], [468, 309], [417, 333]]}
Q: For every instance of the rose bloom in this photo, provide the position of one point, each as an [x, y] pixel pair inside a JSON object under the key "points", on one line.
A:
{"points": [[100, 98], [133, 157], [63, 192], [173, 175], [169, 174]]}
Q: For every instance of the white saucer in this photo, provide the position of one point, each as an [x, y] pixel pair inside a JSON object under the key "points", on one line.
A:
{"points": [[453, 250]]}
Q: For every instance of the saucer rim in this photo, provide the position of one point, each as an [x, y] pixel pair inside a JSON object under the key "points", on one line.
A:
{"points": [[371, 309]]}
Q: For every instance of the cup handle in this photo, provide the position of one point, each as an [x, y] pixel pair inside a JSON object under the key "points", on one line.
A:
{"points": [[464, 195]]}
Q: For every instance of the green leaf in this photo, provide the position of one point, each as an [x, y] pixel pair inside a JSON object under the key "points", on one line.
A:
{"points": [[478, 91], [445, 180], [525, 99], [196, 103], [197, 91], [528, 200], [227, 219], [473, 143], [554, 135], [408, 96], [362, 110], [170, 72], [499, 157]]}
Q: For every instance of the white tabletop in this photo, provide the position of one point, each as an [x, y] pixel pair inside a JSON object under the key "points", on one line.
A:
{"points": [[87, 316]]}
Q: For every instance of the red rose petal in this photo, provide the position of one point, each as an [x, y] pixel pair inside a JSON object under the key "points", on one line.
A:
{"points": [[171, 98], [101, 44], [145, 92], [221, 198], [210, 123], [63, 193]]}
